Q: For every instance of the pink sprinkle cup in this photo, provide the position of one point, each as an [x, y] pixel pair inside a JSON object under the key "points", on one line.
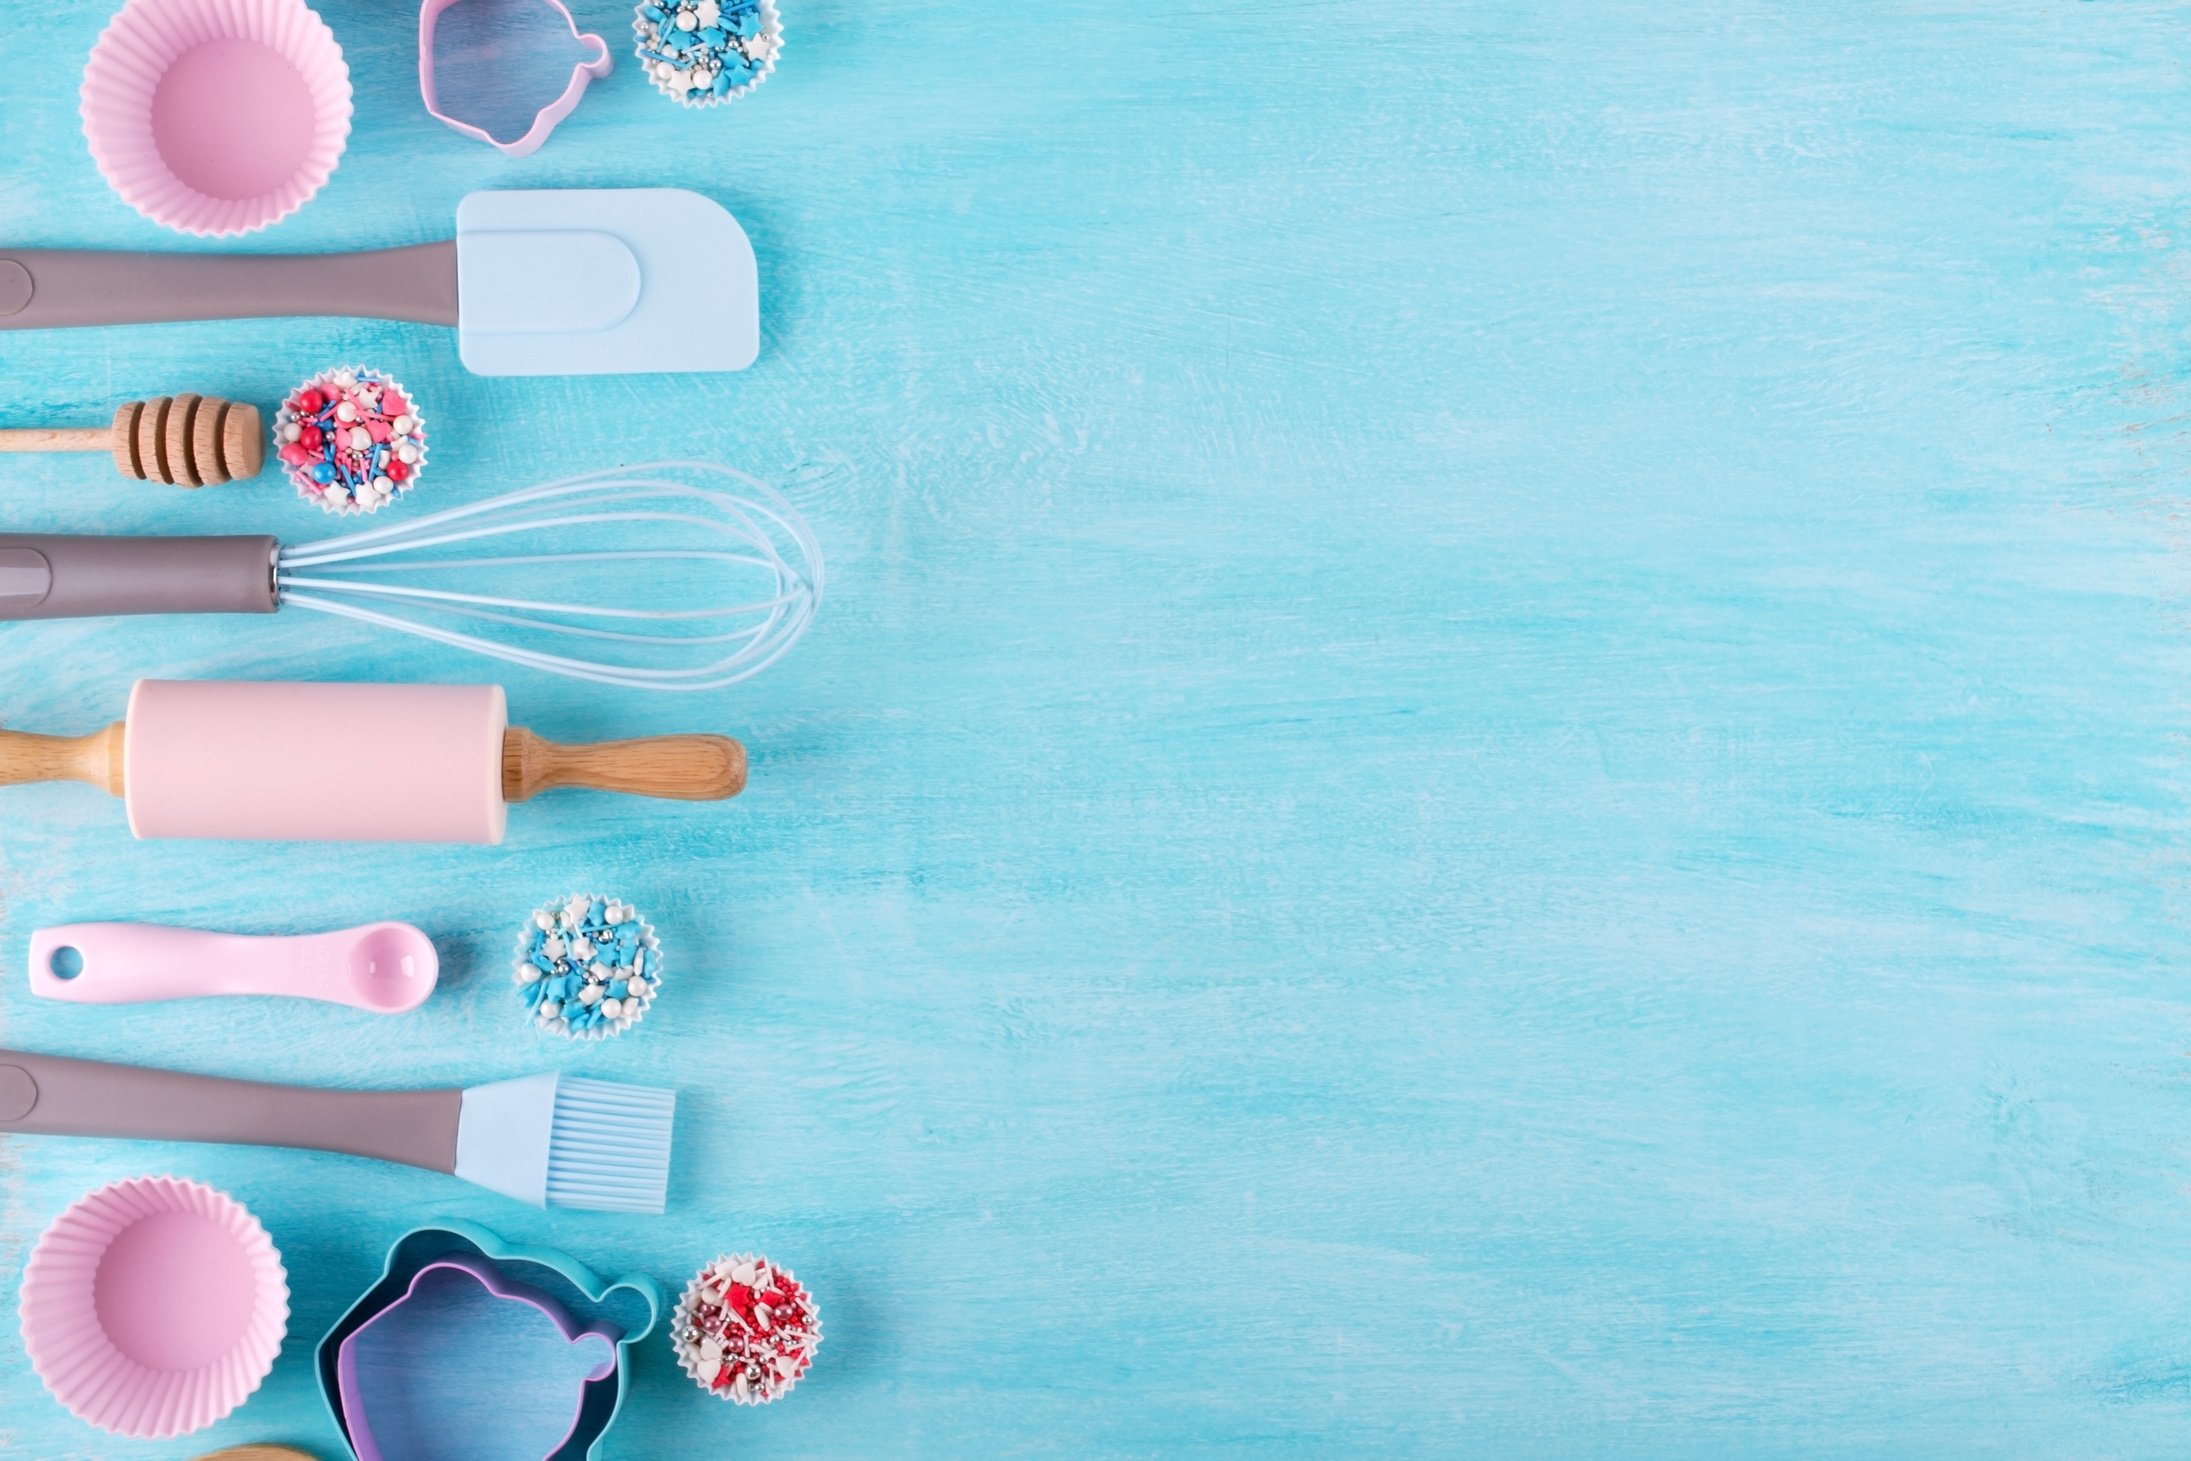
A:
{"points": [[745, 1330], [351, 439]]}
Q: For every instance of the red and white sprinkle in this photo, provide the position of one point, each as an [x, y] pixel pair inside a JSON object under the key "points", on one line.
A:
{"points": [[745, 1330], [351, 439]]}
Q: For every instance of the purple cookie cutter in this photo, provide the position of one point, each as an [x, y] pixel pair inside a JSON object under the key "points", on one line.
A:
{"points": [[555, 111], [355, 1392]]}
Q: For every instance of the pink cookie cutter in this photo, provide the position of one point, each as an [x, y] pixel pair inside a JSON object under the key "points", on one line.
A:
{"points": [[555, 111]]}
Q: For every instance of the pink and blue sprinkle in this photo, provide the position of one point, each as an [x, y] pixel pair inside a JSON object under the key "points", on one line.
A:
{"points": [[351, 439]]}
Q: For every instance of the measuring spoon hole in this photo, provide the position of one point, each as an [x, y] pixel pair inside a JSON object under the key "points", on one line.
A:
{"points": [[65, 962]]}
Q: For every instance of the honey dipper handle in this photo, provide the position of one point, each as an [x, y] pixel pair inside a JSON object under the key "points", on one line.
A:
{"points": [[56, 438], [96, 758], [692, 768]]}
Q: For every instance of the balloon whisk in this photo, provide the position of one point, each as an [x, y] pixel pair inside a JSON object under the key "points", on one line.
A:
{"points": [[629, 577]]}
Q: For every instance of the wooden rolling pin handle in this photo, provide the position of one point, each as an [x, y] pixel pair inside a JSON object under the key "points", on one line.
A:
{"points": [[56, 438], [687, 768], [96, 758]]}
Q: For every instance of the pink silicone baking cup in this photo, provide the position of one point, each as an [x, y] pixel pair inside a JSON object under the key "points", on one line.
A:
{"points": [[153, 1307], [216, 117]]}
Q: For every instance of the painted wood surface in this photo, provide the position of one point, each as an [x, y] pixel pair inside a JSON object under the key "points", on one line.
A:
{"points": [[1496, 762]]}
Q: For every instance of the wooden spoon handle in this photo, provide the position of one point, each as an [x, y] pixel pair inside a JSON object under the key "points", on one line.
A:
{"points": [[96, 758], [693, 768]]}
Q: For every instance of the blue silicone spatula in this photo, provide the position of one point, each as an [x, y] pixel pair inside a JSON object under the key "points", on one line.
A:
{"points": [[550, 281]]}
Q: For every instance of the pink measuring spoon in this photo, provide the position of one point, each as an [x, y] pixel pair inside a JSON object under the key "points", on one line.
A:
{"points": [[386, 968]]}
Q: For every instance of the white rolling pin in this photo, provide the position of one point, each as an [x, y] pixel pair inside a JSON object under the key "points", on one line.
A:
{"points": [[281, 761]]}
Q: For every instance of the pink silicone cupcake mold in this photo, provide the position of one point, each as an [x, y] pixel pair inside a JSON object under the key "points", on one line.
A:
{"points": [[153, 1307], [216, 117]]}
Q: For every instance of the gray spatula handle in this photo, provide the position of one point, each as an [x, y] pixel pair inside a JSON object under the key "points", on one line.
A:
{"points": [[44, 288], [49, 1095], [50, 576]]}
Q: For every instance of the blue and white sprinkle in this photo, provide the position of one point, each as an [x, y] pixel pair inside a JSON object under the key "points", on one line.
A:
{"points": [[703, 52], [587, 966]]}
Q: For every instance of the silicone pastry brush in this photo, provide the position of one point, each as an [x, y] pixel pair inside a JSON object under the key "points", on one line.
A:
{"points": [[190, 441], [250, 759], [550, 1140]]}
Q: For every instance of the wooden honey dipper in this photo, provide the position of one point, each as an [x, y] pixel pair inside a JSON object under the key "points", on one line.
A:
{"points": [[191, 441]]}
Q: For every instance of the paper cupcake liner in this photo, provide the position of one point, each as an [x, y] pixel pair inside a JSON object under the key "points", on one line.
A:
{"points": [[83, 1366], [691, 1361], [607, 1028], [344, 503], [772, 27], [144, 40]]}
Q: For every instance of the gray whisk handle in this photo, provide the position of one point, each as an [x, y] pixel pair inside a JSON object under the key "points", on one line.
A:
{"points": [[51, 576]]}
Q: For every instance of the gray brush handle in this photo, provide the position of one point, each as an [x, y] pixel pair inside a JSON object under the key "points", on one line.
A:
{"points": [[49, 1095], [50, 576], [44, 288]]}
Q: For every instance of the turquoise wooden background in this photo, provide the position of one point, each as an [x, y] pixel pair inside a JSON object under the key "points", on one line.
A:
{"points": [[1497, 762]]}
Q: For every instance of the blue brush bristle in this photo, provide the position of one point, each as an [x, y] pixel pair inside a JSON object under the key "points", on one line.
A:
{"points": [[608, 1149]]}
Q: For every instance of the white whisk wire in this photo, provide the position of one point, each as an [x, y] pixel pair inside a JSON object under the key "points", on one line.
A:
{"points": [[757, 520]]}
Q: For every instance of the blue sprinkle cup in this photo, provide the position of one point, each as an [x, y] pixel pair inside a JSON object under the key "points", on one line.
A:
{"points": [[701, 52], [587, 966]]}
